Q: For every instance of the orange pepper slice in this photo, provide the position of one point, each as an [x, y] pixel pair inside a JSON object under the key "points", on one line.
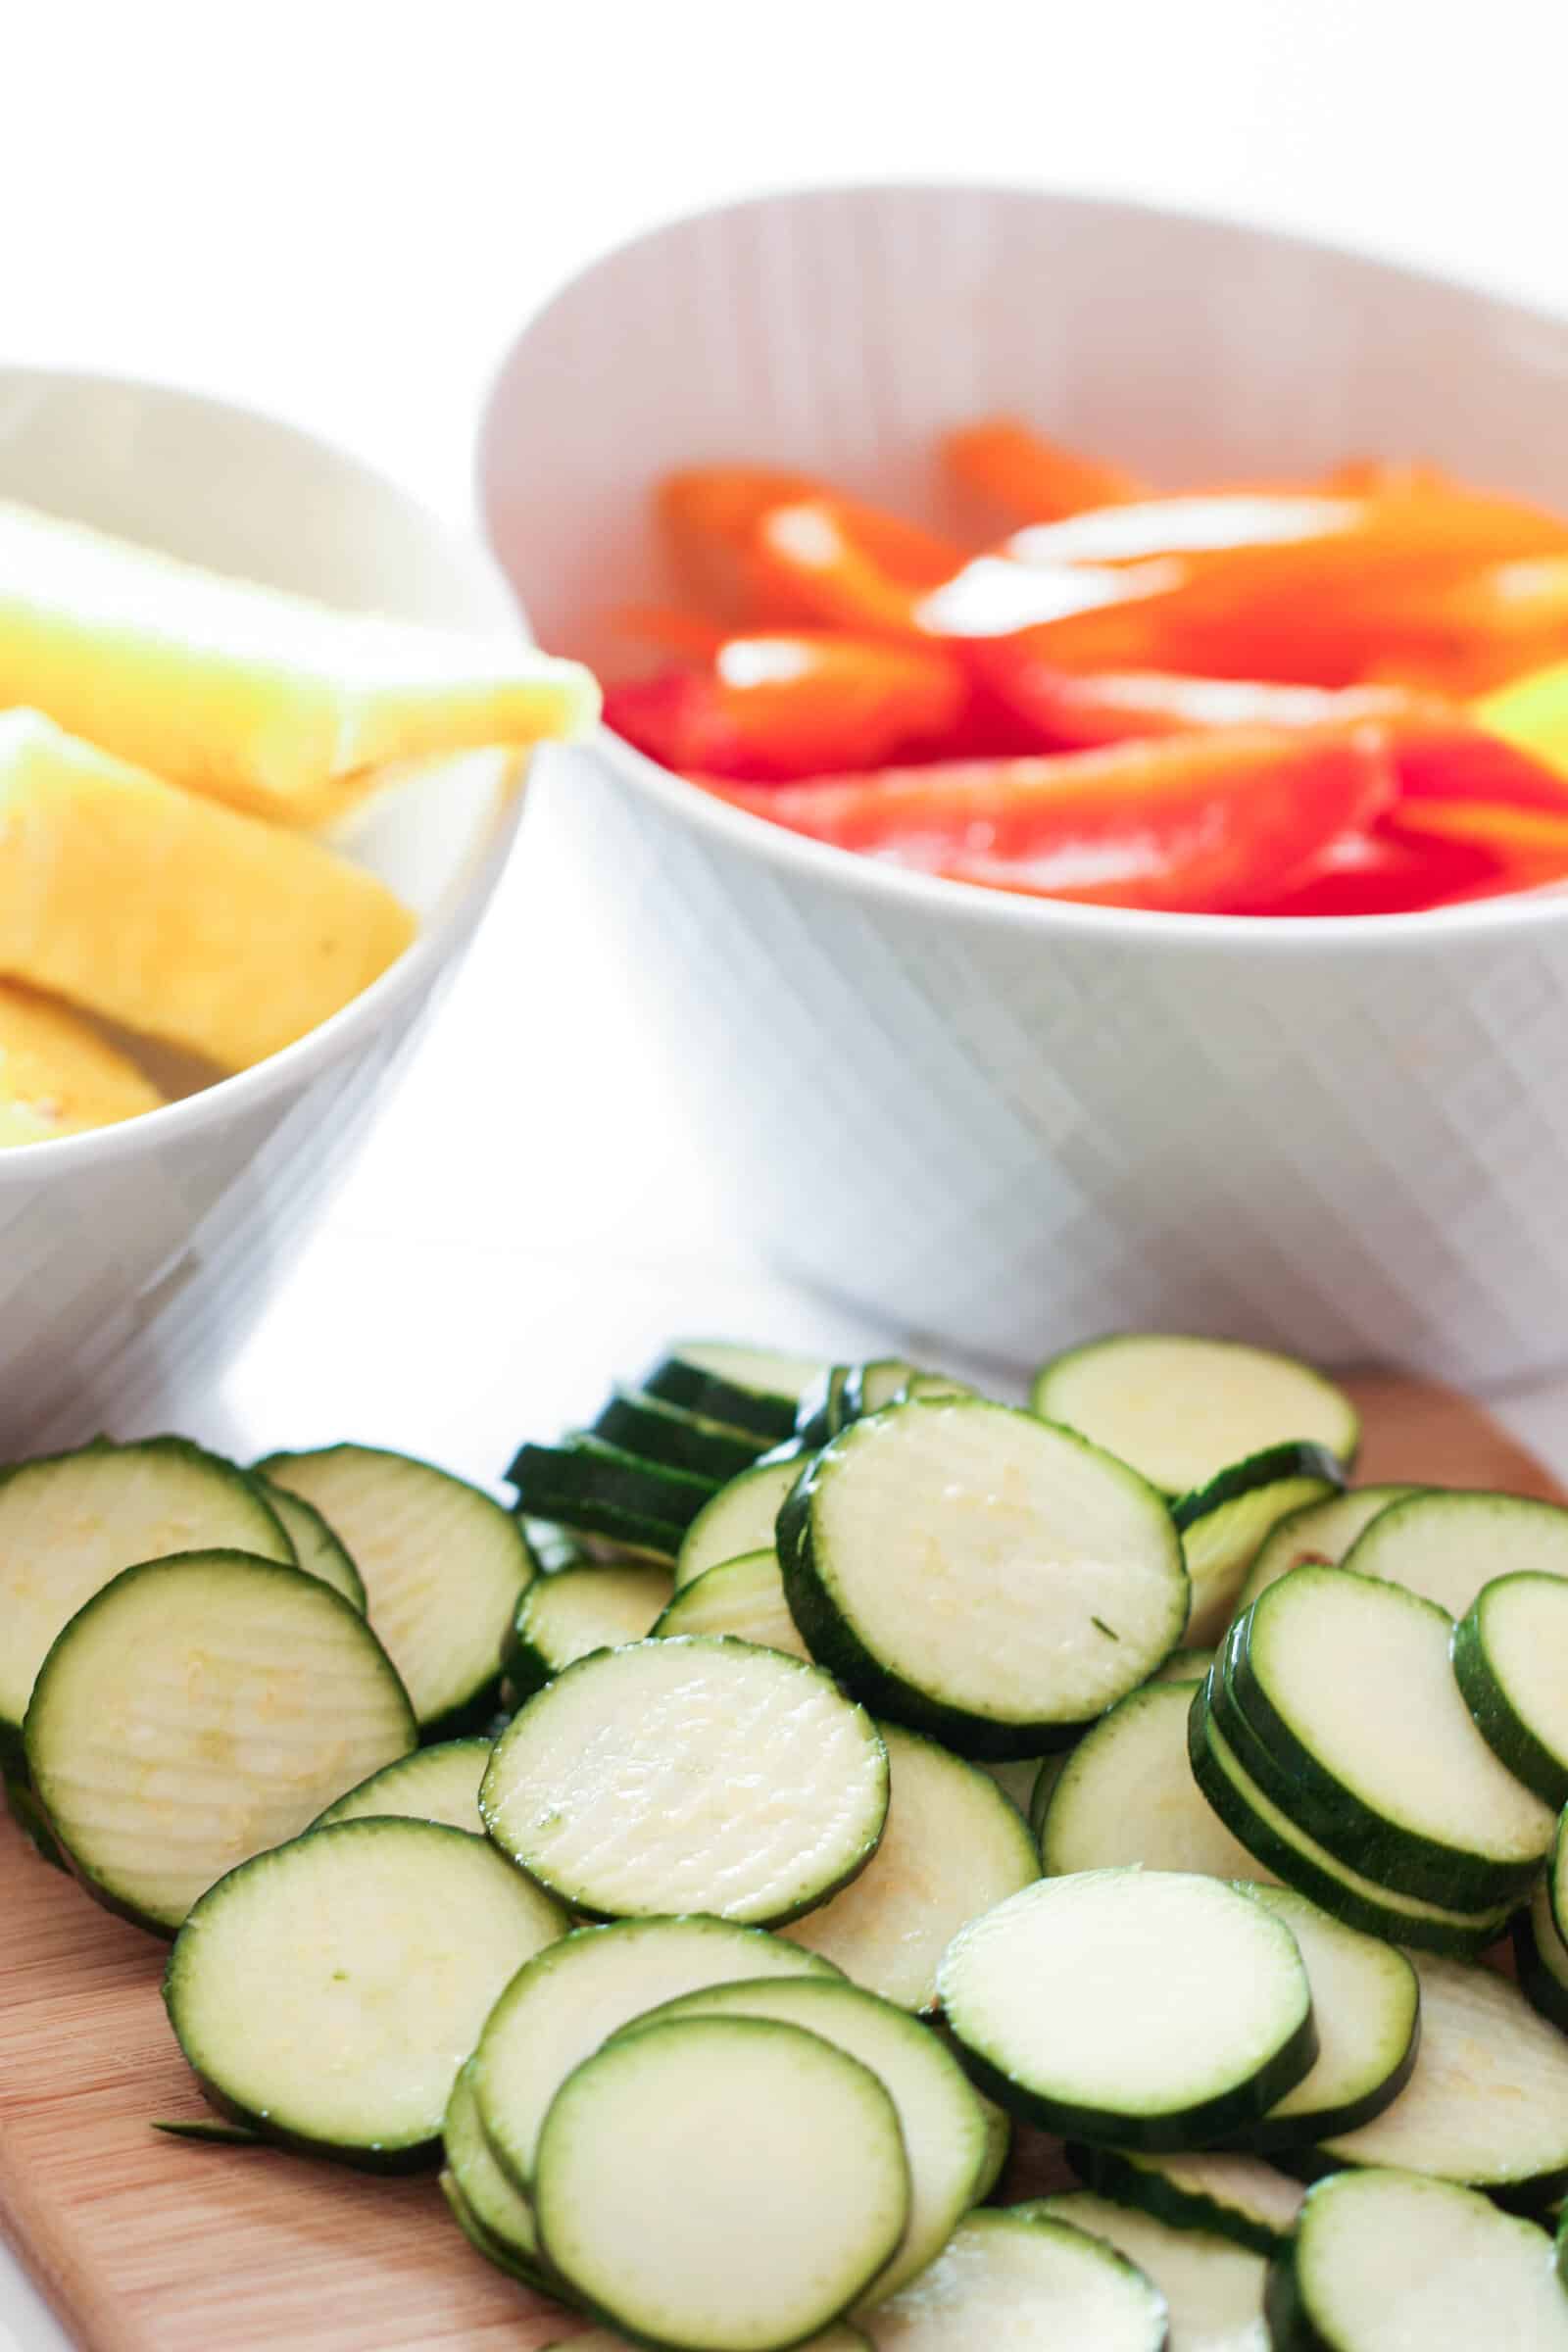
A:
{"points": [[1027, 476]]}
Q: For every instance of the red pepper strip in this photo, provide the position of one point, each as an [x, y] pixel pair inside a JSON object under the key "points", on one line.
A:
{"points": [[708, 512], [1529, 845], [1440, 755], [779, 707], [1365, 874], [1028, 477], [1197, 823], [1072, 709], [846, 566]]}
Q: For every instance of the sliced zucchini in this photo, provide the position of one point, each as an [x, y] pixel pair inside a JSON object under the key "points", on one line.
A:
{"points": [[553, 1548], [1023, 2278], [662, 2151], [693, 1775], [1286, 1849], [567, 1616], [968, 1571], [840, 2337], [1179, 1409], [999, 2147], [754, 1387], [1347, 1685], [434, 1784], [198, 1710], [1446, 1546], [70, 1521], [744, 1598], [1384, 2262], [318, 1550], [1487, 2103], [1227, 2196], [1510, 1659], [1224, 1524], [657, 1431], [946, 2138], [1319, 1536], [504, 2212], [1069, 2008], [1541, 1957], [1184, 1666], [823, 1410], [560, 2009], [593, 1490], [1126, 1796], [1213, 2288], [1367, 2003], [741, 1517], [527, 2274], [869, 1387], [931, 1387], [326, 1993], [952, 1849], [442, 1564]]}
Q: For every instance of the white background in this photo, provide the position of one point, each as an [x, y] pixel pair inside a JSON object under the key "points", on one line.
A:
{"points": [[340, 209]]}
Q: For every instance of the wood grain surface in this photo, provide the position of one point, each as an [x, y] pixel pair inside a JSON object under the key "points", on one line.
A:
{"points": [[149, 2245]]}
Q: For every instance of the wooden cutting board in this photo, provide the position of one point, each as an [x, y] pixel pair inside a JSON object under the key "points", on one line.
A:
{"points": [[149, 2245]]}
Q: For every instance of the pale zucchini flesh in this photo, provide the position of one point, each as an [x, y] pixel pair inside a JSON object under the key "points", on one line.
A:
{"points": [[502, 2210], [435, 1783], [740, 1518], [328, 1991], [1023, 2278], [565, 1617], [742, 1598], [1510, 1659], [952, 1849], [197, 1711], [979, 1576], [1125, 1795], [1319, 1536], [1180, 1408], [560, 2009], [1224, 1526], [318, 1550], [1367, 1999], [1444, 1545], [1214, 2289], [1131, 2008], [662, 2153], [689, 1775]]}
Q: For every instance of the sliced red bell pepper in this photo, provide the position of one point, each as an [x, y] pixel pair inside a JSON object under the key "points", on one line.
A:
{"points": [[1529, 845], [1076, 709], [786, 705], [1373, 874], [1027, 476], [1198, 822], [846, 566], [707, 515]]}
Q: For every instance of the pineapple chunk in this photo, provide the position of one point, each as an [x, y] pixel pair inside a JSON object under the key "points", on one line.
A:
{"points": [[158, 912], [58, 1076], [276, 705]]}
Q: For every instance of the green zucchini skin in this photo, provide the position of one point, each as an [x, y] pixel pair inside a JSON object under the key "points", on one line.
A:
{"points": [[1110, 2175], [1408, 1861], [1284, 2314], [1518, 1749], [674, 1438], [770, 1412], [1542, 1989], [825, 1409], [502, 2258], [596, 1489], [1266, 1469]]}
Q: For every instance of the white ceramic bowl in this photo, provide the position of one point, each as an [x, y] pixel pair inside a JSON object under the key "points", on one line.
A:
{"points": [[1003, 1121], [183, 1215]]}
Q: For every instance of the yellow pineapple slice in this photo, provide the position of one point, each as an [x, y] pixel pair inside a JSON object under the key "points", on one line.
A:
{"points": [[278, 706], [158, 912], [58, 1076]]}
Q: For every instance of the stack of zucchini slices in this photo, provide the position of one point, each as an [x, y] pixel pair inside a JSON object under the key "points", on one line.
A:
{"points": [[940, 1875]]}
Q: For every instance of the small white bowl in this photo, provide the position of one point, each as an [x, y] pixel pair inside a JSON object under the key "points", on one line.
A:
{"points": [[100, 1232], [1005, 1121]]}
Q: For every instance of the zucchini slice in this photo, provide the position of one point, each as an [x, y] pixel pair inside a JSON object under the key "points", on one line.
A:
{"points": [[1367, 2002], [752, 1388], [1228, 2196], [1184, 1666], [662, 2152], [1126, 1796], [1510, 1659], [1214, 2289], [198, 1710], [318, 1550], [565, 1617], [657, 1431], [1179, 1409], [968, 1571], [953, 1847], [1347, 1685], [946, 2137], [1224, 1524], [1023, 2277], [70, 1521], [326, 1993], [1541, 1957], [1444, 1545], [824, 1408], [1383, 2261], [870, 1387], [442, 1564], [503, 2212], [840, 2337], [1319, 1536], [563, 2006], [693, 1775], [742, 1598], [434, 1784], [741, 1517], [1069, 2010], [595, 1490], [491, 2248], [1297, 1857], [1487, 2103]]}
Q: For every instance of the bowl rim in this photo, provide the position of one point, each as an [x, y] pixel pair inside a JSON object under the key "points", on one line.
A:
{"points": [[972, 906], [483, 859]]}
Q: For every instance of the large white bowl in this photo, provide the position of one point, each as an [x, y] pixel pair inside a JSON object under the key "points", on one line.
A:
{"points": [[184, 1215], [1007, 1121]]}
